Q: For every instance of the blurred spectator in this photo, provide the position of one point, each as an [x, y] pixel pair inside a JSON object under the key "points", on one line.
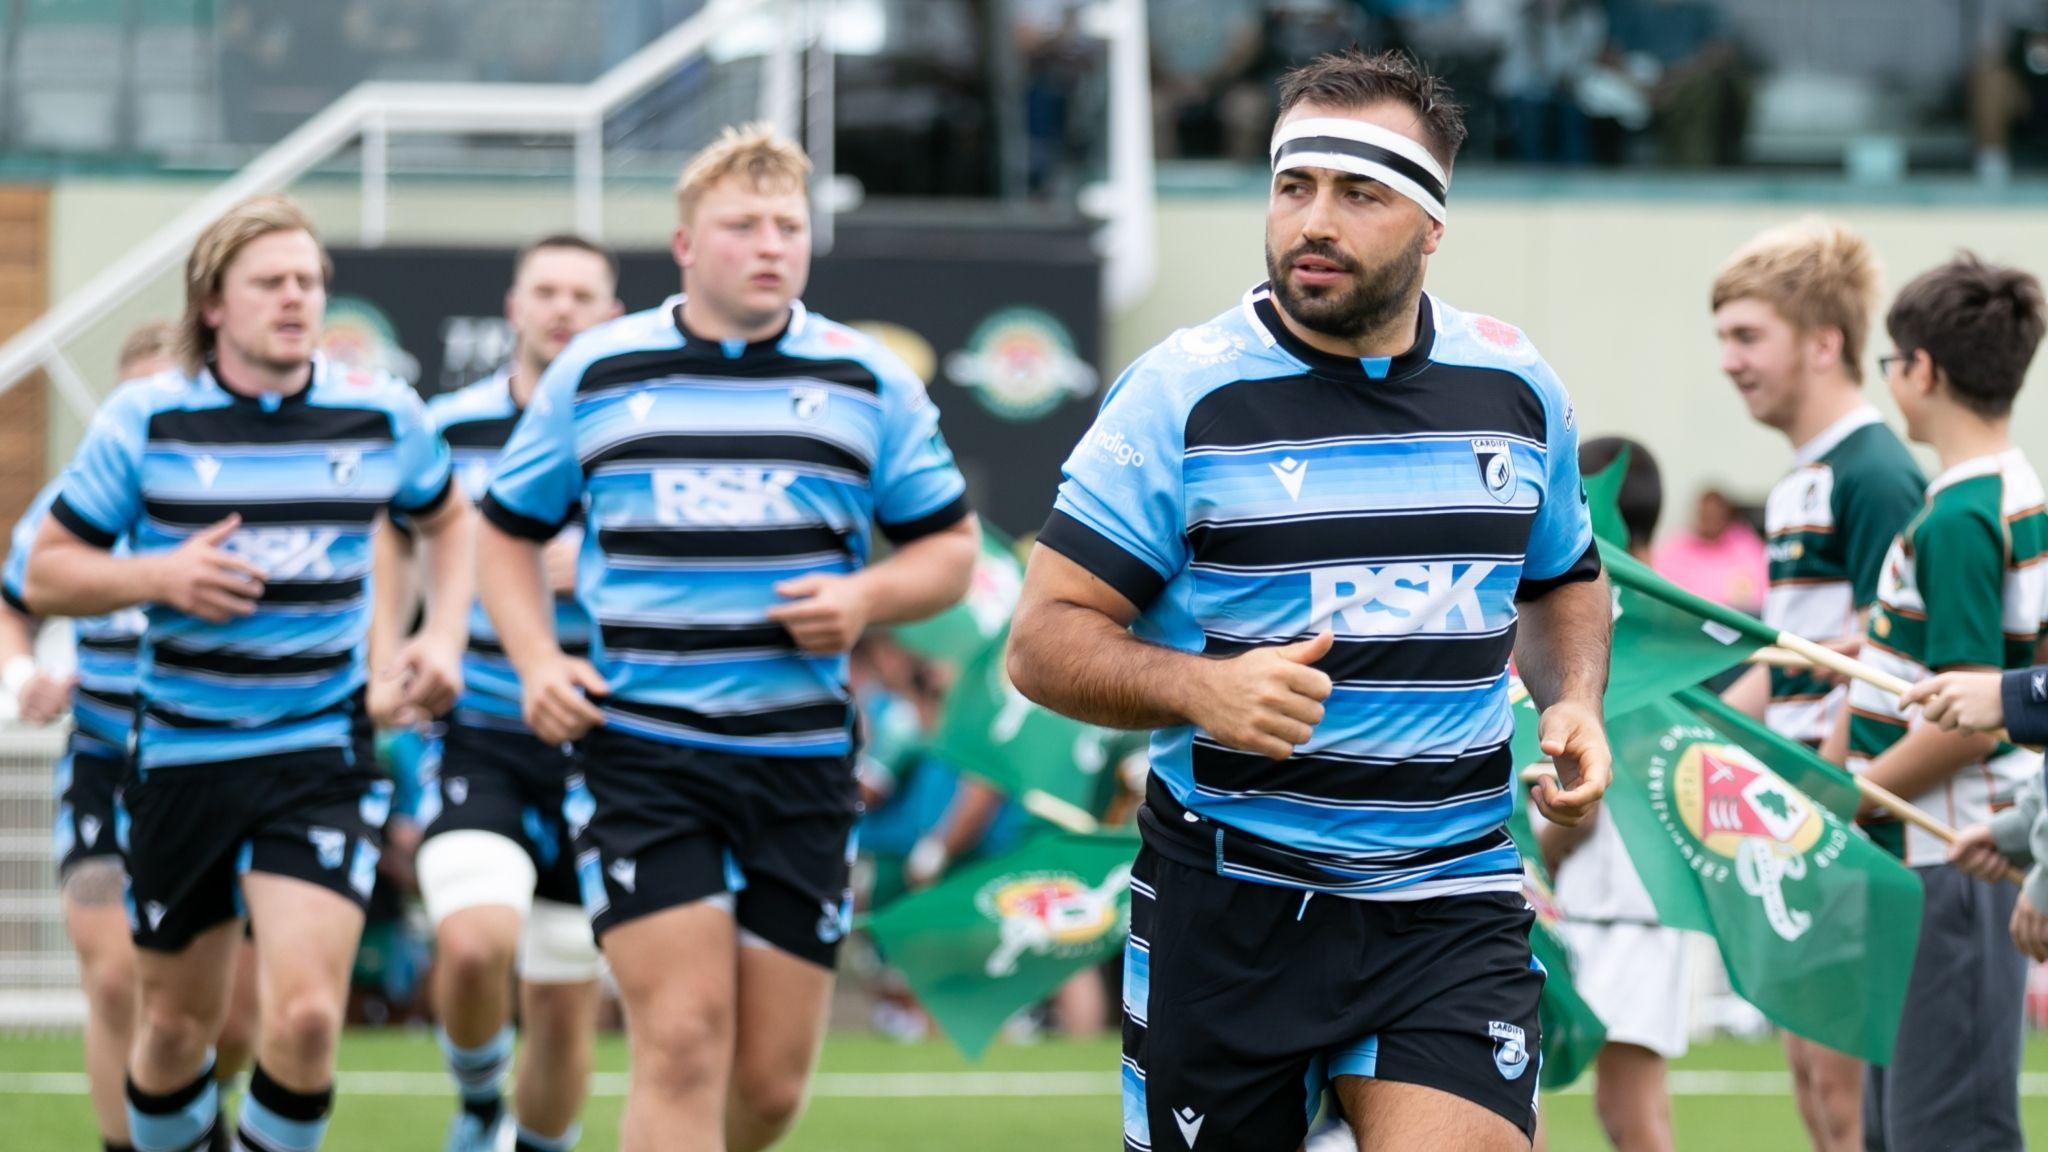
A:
{"points": [[1198, 46], [1719, 556], [1291, 32], [1064, 98], [1557, 42], [1701, 87], [2008, 94]]}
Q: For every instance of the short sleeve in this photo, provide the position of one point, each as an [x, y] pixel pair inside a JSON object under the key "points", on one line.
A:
{"points": [[426, 473], [1871, 508], [918, 488], [1959, 567], [538, 482], [100, 499], [14, 575], [1561, 539], [1120, 511]]}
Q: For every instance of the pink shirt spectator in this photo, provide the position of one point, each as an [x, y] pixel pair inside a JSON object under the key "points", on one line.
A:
{"points": [[1728, 570]]}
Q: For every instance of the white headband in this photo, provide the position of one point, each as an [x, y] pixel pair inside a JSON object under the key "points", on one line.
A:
{"points": [[1363, 149]]}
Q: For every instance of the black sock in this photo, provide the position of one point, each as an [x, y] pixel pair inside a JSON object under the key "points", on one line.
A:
{"points": [[275, 1117], [110, 1146], [486, 1110]]}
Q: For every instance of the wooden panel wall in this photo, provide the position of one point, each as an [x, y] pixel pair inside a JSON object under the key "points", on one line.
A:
{"points": [[24, 289]]}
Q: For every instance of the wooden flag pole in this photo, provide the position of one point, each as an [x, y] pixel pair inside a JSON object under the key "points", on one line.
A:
{"points": [[1892, 802], [1053, 810]]}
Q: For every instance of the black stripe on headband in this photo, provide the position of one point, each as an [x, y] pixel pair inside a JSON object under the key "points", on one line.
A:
{"points": [[1370, 153]]}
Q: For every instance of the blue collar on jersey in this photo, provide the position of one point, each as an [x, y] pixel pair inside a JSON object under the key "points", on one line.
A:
{"points": [[1264, 313]]}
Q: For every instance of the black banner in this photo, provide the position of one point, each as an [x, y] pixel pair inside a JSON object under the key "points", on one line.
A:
{"points": [[1004, 322]]}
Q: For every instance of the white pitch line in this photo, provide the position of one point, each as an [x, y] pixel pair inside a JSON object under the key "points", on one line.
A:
{"points": [[937, 1085], [826, 1085]]}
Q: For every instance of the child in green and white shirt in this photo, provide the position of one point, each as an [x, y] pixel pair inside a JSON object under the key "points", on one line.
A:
{"points": [[1963, 588]]}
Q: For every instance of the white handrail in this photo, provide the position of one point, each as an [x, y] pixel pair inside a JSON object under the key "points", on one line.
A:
{"points": [[570, 109]]}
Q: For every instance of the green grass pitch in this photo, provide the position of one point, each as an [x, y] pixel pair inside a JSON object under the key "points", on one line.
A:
{"points": [[877, 1096]]}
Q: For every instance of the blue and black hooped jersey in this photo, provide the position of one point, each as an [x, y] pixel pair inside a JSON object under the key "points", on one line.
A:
{"points": [[308, 473], [709, 472], [476, 422], [103, 706], [1245, 489]]}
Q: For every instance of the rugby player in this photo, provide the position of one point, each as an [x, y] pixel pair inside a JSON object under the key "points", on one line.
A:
{"points": [[246, 481], [496, 870], [100, 695], [732, 451], [1297, 542]]}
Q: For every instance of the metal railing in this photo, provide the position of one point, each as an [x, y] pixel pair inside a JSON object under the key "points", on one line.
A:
{"points": [[372, 113], [796, 94]]}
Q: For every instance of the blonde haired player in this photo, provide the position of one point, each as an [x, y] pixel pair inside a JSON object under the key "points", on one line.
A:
{"points": [[245, 483], [732, 452], [1792, 311]]}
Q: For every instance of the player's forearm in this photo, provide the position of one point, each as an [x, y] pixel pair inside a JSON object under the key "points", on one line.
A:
{"points": [[394, 591], [1563, 644], [974, 808], [923, 577], [448, 547], [516, 596], [560, 559], [68, 577], [1924, 758], [1080, 663]]}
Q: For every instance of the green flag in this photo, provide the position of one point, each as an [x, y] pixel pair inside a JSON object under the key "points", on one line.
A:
{"points": [[1663, 640], [990, 730], [1572, 1032], [1799, 765], [1002, 934], [1603, 499], [1817, 926], [958, 634]]}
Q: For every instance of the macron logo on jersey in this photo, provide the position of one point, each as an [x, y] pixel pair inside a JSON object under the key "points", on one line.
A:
{"points": [[1399, 599], [1291, 472], [725, 495]]}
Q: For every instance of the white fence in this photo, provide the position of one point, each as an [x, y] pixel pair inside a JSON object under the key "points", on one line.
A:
{"points": [[38, 975]]}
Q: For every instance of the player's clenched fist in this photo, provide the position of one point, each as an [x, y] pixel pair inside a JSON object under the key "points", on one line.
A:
{"points": [[555, 699], [202, 578], [1267, 700]]}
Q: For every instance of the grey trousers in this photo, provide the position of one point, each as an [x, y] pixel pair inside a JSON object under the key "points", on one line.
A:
{"points": [[1953, 1083]]}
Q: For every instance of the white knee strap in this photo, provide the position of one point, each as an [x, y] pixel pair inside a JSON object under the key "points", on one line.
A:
{"points": [[471, 869], [557, 946]]}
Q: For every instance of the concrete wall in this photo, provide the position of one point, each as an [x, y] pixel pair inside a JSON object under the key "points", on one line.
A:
{"points": [[1615, 294], [1613, 290]]}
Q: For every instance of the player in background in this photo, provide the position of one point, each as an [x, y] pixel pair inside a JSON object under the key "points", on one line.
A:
{"points": [[496, 868], [99, 692], [246, 482], [732, 453]]}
